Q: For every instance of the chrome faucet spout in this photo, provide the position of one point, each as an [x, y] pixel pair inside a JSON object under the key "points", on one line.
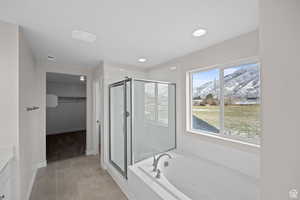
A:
{"points": [[154, 160], [155, 164]]}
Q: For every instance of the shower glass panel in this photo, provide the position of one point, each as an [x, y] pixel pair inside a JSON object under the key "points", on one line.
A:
{"points": [[142, 121], [118, 124], [154, 118]]}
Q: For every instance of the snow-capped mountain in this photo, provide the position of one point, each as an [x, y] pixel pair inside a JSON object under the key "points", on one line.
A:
{"points": [[240, 85]]}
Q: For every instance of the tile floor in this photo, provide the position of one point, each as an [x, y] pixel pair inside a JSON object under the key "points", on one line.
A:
{"points": [[78, 178]]}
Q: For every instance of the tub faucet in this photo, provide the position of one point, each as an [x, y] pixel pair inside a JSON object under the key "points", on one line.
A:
{"points": [[156, 161], [158, 174]]}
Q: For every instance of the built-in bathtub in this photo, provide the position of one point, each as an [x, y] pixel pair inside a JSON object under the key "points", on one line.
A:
{"points": [[190, 178]]}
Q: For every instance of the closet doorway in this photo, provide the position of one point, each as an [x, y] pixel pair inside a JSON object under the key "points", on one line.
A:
{"points": [[65, 116]]}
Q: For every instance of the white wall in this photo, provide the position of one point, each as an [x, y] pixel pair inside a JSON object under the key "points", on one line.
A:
{"points": [[9, 88], [43, 68], [234, 155], [280, 51], [9, 84], [28, 121], [70, 116], [98, 107], [17, 86]]}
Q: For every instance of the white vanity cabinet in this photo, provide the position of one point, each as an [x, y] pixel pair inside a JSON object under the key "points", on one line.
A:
{"points": [[5, 183], [6, 175]]}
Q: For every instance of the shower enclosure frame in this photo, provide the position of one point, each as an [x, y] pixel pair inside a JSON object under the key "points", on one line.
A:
{"points": [[125, 116], [130, 113]]}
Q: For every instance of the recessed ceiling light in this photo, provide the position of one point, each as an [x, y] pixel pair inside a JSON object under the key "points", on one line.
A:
{"points": [[199, 32], [51, 58], [82, 78], [142, 60], [83, 36]]}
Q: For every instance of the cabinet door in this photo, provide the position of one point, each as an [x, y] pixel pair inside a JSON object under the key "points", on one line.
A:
{"points": [[5, 190]]}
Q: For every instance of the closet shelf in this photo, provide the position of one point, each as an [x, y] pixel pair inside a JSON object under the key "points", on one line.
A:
{"points": [[70, 97], [64, 99]]}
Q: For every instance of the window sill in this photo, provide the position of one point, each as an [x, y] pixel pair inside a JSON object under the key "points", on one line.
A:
{"points": [[241, 145]]}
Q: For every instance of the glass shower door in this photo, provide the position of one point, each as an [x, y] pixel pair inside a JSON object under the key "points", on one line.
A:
{"points": [[118, 126], [154, 118]]}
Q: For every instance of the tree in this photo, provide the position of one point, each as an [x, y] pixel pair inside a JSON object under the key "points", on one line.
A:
{"points": [[209, 99]]}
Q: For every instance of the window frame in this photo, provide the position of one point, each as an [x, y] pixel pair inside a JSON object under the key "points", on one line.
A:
{"points": [[189, 90], [156, 120]]}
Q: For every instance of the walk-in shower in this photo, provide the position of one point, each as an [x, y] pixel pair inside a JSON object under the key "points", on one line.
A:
{"points": [[142, 121]]}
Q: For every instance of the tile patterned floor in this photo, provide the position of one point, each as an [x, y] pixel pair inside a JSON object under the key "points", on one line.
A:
{"points": [[78, 178]]}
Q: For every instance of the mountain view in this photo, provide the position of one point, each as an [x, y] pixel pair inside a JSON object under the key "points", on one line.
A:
{"points": [[240, 86], [241, 99]]}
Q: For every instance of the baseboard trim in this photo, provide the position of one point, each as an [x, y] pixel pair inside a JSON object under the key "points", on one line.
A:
{"points": [[31, 184], [41, 164], [90, 152]]}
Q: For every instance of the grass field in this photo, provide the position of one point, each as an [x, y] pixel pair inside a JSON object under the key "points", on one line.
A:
{"points": [[241, 120]]}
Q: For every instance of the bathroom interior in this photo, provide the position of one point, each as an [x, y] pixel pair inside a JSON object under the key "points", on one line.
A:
{"points": [[159, 100]]}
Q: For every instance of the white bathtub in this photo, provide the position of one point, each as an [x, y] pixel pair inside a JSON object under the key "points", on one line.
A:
{"points": [[190, 178]]}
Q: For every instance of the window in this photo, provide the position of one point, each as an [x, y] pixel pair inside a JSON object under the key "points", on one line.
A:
{"points": [[162, 103], [206, 103], [226, 102], [156, 102], [150, 101]]}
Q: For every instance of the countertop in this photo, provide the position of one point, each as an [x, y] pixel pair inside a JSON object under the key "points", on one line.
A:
{"points": [[6, 154]]}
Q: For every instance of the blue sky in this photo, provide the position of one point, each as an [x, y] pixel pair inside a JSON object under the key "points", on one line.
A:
{"points": [[199, 78], [202, 77]]}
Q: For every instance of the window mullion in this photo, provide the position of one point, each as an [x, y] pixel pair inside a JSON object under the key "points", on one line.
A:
{"points": [[222, 102], [156, 102], [191, 86]]}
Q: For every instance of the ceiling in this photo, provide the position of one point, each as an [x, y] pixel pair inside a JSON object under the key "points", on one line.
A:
{"points": [[63, 78], [158, 30]]}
